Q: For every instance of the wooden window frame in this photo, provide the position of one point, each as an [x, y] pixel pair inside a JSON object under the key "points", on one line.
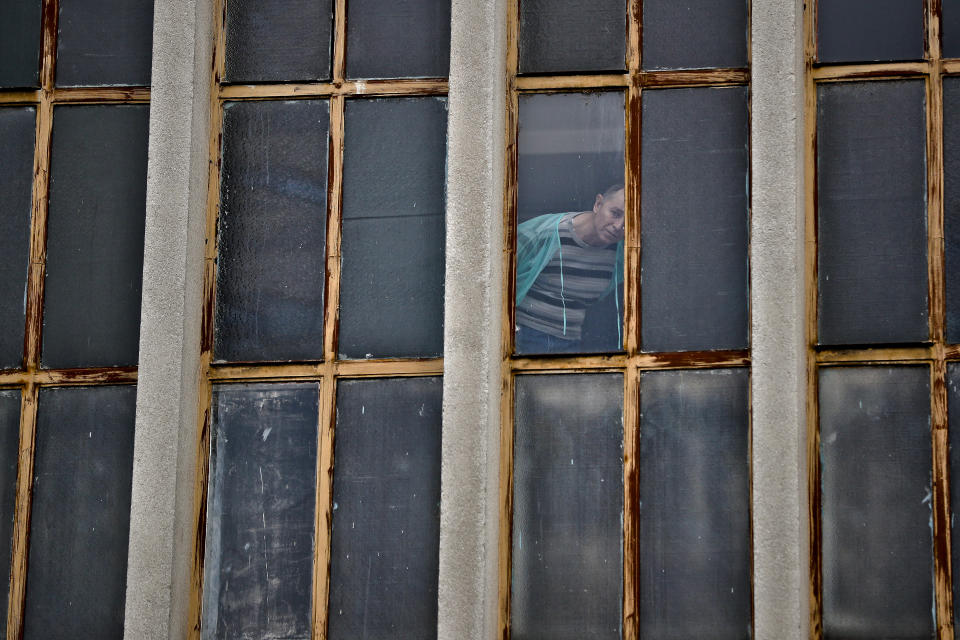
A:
{"points": [[328, 371], [934, 353], [632, 362], [31, 377]]}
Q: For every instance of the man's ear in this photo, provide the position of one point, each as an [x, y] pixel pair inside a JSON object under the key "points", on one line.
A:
{"points": [[598, 201]]}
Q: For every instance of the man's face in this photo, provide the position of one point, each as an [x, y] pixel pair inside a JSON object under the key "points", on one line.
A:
{"points": [[608, 217]]}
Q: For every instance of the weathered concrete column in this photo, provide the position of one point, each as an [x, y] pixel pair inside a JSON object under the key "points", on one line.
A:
{"points": [[471, 384], [161, 527], [781, 566]]}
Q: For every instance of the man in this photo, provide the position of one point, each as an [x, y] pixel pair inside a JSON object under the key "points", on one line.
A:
{"points": [[566, 262]]}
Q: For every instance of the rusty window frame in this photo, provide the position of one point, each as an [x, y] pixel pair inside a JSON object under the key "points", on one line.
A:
{"points": [[633, 362]]}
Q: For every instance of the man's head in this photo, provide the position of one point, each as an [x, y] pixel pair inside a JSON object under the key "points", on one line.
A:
{"points": [[608, 215]]}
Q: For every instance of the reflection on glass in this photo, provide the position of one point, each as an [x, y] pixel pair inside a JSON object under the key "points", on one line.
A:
{"points": [[571, 224], [567, 574]]}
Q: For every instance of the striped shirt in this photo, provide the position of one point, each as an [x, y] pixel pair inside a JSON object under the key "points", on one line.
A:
{"points": [[585, 277]]}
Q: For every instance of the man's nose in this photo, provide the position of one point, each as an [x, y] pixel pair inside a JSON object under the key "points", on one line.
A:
{"points": [[618, 224]]}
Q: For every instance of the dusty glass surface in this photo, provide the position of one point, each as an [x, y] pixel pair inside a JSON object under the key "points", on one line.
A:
{"points": [[80, 514], [94, 272], [695, 504], [570, 210], [951, 208], [20, 35], [950, 29], [869, 30], [104, 42], [17, 130], [695, 219], [567, 577], [694, 34], [392, 247], [871, 217], [261, 500], [953, 411], [398, 39], [272, 231], [9, 452], [278, 41], [875, 456], [558, 36], [386, 509]]}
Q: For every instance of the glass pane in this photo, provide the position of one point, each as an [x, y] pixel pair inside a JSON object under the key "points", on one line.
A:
{"points": [[104, 42], [951, 209], [569, 292], [394, 168], [278, 41], [876, 493], [694, 34], [567, 579], [398, 39], [953, 406], [869, 30], [950, 28], [872, 224], [80, 518], [17, 126], [98, 184], [695, 219], [695, 504], [567, 35], [386, 509], [9, 451], [20, 33], [272, 231], [258, 565]]}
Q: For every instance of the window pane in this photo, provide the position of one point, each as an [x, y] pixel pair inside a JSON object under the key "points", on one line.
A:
{"points": [[568, 507], [875, 483], [868, 30], [20, 32], [694, 34], [272, 231], [9, 452], [394, 168], [567, 35], [398, 39], [104, 42], [695, 219], [98, 183], [695, 504], [872, 237], [17, 126], [386, 509], [278, 41], [953, 406], [258, 566], [570, 210], [80, 518], [950, 28], [951, 209]]}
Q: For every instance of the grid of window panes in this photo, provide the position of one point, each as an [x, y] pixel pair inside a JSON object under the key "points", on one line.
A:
{"points": [[74, 105], [323, 321], [626, 467], [883, 102]]}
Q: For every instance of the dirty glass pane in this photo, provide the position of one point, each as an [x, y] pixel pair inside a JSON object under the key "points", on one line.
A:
{"points": [[876, 494], [953, 410], [261, 497], [570, 211], [558, 36], [871, 192], [951, 209], [869, 30], [695, 219], [98, 184], [394, 175], [9, 450], [695, 504], [272, 231], [398, 39], [278, 41], [694, 34], [80, 517], [567, 578], [386, 509], [20, 34], [950, 28], [17, 126], [104, 42]]}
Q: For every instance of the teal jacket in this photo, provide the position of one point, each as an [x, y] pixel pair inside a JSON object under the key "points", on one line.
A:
{"points": [[538, 240]]}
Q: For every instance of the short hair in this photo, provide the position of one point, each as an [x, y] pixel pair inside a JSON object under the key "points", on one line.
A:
{"points": [[612, 189]]}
